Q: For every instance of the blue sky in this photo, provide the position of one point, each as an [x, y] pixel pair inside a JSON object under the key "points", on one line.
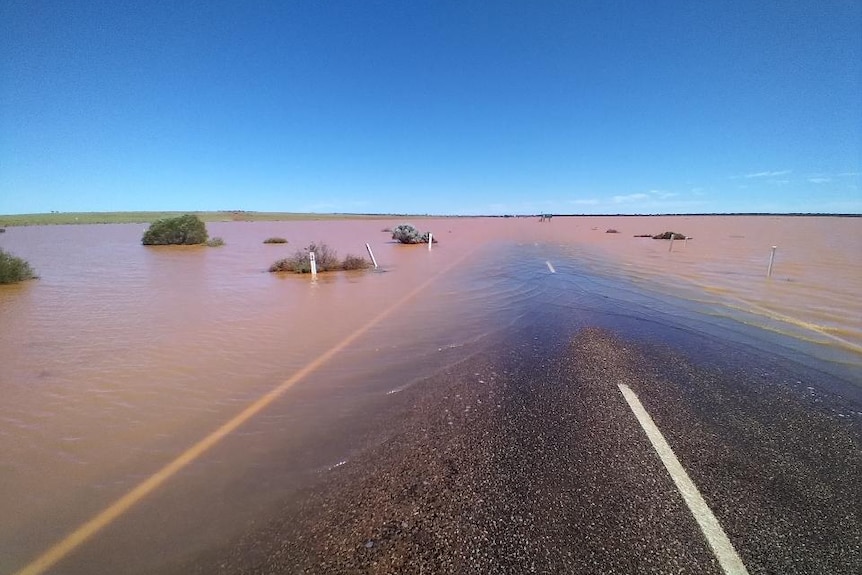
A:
{"points": [[461, 107]]}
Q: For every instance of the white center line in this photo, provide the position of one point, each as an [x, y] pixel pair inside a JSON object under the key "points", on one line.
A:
{"points": [[550, 267], [721, 546]]}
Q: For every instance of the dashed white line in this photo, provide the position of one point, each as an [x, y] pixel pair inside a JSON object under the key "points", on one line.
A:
{"points": [[721, 546], [550, 267]]}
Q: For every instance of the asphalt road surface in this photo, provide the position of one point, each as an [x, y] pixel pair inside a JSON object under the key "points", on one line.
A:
{"points": [[527, 458]]}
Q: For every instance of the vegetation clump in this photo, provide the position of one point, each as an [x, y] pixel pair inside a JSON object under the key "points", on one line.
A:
{"points": [[215, 242], [352, 262], [182, 230], [669, 236], [14, 269], [325, 258], [275, 240], [612, 231], [407, 234]]}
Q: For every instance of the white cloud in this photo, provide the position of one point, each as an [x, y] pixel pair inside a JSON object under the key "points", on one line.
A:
{"points": [[819, 180], [767, 174], [630, 198], [848, 174]]}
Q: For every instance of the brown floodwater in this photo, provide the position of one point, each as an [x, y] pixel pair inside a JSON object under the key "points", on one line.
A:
{"points": [[121, 356]]}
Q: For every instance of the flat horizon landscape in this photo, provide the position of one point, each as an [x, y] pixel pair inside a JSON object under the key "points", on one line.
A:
{"points": [[62, 218], [622, 333]]}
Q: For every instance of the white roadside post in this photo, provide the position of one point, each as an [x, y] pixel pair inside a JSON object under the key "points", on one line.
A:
{"points": [[313, 264], [370, 253], [430, 240], [771, 261]]}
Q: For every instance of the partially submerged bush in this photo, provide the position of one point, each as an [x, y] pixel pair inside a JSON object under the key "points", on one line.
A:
{"points": [[325, 258], [669, 235], [14, 269], [407, 234], [352, 262], [215, 242], [182, 230], [275, 240]]}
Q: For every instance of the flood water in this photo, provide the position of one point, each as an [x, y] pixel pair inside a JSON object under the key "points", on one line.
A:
{"points": [[120, 356]]}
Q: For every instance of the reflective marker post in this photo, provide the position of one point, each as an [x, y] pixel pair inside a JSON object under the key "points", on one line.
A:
{"points": [[771, 261], [370, 253]]}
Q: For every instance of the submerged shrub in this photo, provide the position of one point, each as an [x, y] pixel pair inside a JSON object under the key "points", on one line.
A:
{"points": [[352, 262], [275, 240], [299, 262], [215, 242], [407, 234], [14, 269], [182, 230], [669, 235], [326, 259]]}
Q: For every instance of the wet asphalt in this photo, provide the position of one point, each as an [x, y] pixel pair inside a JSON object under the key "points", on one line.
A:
{"points": [[525, 458]]}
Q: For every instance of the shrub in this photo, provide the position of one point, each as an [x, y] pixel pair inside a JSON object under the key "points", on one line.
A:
{"points": [[352, 262], [14, 269], [182, 230], [215, 242], [407, 234], [669, 235], [326, 258], [612, 231], [275, 241]]}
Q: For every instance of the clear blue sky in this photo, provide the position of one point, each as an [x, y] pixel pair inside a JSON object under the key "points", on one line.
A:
{"points": [[444, 107]]}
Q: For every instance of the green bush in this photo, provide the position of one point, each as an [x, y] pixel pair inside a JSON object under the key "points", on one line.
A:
{"points": [[326, 259], [182, 230], [14, 269], [275, 240], [407, 234], [215, 242]]}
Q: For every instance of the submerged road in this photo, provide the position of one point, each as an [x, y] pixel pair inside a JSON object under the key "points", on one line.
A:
{"points": [[531, 458]]}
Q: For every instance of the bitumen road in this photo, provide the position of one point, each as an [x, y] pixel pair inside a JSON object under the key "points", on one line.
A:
{"points": [[527, 458]]}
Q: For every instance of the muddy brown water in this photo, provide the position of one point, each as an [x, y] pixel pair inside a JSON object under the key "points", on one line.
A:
{"points": [[121, 356]]}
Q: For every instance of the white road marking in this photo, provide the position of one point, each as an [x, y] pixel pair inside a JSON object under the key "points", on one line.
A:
{"points": [[721, 546], [550, 267]]}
